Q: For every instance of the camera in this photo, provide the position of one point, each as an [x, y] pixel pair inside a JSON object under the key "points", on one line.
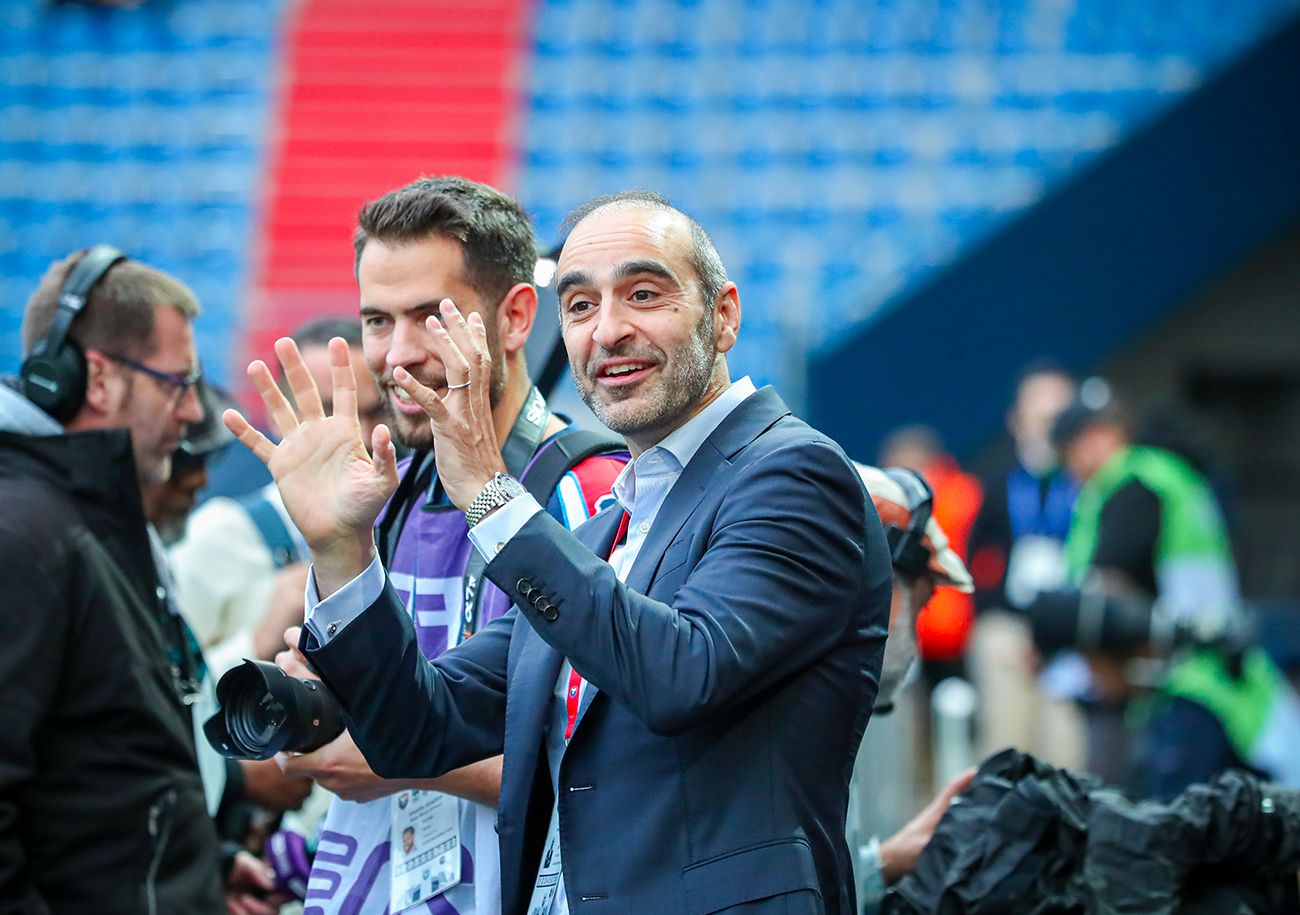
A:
{"points": [[263, 710], [1090, 620]]}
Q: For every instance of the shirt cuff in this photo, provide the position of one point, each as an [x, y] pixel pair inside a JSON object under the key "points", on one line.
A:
{"points": [[327, 618], [492, 533]]}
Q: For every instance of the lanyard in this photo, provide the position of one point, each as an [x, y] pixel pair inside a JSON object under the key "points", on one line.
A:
{"points": [[550, 872], [574, 692]]}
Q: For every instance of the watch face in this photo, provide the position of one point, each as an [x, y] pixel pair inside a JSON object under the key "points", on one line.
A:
{"points": [[510, 486]]}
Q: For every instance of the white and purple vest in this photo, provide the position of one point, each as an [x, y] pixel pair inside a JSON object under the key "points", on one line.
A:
{"points": [[350, 875]]}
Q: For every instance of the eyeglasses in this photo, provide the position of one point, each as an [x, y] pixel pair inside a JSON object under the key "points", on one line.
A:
{"points": [[180, 383]]}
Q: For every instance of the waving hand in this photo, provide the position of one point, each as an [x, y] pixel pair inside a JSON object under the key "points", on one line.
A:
{"points": [[332, 488]]}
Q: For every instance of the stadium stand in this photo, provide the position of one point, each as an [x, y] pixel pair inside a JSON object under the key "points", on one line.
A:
{"points": [[143, 127], [378, 93], [842, 151]]}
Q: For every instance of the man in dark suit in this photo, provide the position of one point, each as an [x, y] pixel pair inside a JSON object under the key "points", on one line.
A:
{"points": [[679, 722]]}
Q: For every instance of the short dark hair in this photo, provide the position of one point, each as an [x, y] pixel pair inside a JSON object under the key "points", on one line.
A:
{"points": [[1078, 417], [493, 229], [119, 312], [320, 331], [703, 256]]}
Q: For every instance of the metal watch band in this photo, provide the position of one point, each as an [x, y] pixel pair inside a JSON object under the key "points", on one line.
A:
{"points": [[496, 493]]}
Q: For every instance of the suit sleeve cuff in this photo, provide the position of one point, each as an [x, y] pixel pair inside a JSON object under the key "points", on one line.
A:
{"points": [[492, 533], [327, 618]]}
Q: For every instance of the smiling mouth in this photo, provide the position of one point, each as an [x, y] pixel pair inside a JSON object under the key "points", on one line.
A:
{"points": [[624, 373], [403, 402]]}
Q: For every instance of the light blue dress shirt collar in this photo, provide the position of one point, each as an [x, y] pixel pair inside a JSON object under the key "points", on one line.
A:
{"points": [[678, 447]]}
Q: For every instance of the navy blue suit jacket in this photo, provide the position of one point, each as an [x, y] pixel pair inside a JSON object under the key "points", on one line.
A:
{"points": [[737, 667]]}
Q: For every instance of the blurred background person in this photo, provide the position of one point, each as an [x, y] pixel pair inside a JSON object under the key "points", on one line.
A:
{"points": [[924, 564], [253, 795], [943, 624], [1149, 552], [168, 504], [1017, 549]]}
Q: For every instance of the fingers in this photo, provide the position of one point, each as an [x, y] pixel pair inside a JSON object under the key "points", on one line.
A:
{"points": [[430, 402], [305, 393], [481, 389], [452, 340], [291, 660], [277, 406], [250, 438], [383, 454], [298, 765], [957, 785], [344, 379], [468, 337]]}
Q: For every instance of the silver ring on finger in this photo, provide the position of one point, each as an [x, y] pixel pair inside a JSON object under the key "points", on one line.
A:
{"points": [[457, 387]]}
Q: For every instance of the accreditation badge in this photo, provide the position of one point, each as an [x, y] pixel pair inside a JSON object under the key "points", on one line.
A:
{"points": [[424, 847]]}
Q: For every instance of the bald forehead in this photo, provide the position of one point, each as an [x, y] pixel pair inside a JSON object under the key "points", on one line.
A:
{"points": [[666, 227], [620, 241]]}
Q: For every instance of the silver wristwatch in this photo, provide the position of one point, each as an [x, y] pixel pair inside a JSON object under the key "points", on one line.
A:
{"points": [[500, 490]]}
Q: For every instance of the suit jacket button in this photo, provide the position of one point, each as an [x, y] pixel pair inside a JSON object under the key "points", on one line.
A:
{"points": [[524, 586], [551, 612]]}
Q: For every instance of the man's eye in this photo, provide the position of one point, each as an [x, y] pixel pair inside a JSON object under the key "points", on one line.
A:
{"points": [[643, 295], [578, 306]]}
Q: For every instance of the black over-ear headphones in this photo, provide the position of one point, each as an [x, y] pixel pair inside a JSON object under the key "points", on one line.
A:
{"points": [[54, 373], [906, 547]]}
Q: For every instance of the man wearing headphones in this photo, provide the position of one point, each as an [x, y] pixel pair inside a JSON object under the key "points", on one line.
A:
{"points": [[102, 808]]}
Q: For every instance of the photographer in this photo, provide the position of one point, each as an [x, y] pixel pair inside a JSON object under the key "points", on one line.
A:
{"points": [[1160, 607]]}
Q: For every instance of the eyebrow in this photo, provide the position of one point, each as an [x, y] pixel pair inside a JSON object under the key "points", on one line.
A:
{"points": [[621, 272], [371, 310], [571, 279]]}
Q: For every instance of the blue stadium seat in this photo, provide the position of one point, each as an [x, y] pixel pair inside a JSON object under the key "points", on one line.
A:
{"points": [[142, 127]]}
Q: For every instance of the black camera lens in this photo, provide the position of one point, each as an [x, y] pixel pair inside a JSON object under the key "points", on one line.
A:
{"points": [[263, 710], [1092, 621]]}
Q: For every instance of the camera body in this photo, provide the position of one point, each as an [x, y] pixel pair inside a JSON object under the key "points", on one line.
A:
{"points": [[263, 711]]}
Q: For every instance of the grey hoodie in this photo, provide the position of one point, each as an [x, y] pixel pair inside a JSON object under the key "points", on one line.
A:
{"points": [[19, 415]]}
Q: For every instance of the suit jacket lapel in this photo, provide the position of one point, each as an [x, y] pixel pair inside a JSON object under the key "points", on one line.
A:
{"points": [[744, 424]]}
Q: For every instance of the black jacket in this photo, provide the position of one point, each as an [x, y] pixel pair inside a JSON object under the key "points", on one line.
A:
{"points": [[101, 805]]}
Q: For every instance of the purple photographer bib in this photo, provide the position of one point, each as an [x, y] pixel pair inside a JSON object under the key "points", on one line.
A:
{"points": [[350, 875]]}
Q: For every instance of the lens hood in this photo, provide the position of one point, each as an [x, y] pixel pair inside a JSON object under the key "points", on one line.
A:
{"points": [[263, 711]]}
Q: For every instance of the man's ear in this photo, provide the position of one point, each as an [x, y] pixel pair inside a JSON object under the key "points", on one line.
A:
{"points": [[726, 317], [104, 391], [515, 317], [102, 382]]}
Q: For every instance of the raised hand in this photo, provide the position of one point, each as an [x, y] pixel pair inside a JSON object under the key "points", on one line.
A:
{"points": [[332, 487], [465, 438]]}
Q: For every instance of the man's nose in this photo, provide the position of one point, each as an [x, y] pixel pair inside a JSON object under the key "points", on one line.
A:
{"points": [[409, 343], [190, 407], [612, 326]]}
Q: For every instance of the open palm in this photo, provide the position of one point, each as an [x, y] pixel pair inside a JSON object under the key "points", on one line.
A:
{"points": [[332, 488]]}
